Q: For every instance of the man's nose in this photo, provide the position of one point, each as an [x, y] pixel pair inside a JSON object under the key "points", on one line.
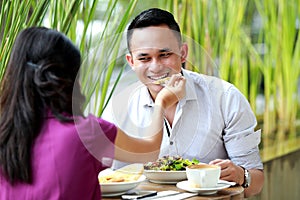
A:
{"points": [[155, 65]]}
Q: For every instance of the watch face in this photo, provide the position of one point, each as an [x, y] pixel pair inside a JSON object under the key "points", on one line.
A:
{"points": [[247, 179]]}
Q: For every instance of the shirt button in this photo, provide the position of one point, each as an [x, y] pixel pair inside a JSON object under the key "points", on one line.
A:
{"points": [[171, 142]]}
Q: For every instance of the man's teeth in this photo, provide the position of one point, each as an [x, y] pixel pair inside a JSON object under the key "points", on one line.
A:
{"points": [[158, 78], [161, 81]]}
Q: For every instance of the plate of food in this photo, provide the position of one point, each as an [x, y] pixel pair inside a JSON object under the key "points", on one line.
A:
{"points": [[168, 169], [118, 182]]}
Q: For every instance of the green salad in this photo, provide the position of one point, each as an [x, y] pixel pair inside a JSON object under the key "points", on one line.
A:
{"points": [[170, 163]]}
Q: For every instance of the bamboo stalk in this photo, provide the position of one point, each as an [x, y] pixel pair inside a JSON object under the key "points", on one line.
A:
{"points": [[97, 87], [215, 31], [16, 15]]}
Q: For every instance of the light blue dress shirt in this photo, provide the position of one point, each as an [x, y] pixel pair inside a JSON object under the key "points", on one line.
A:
{"points": [[214, 120]]}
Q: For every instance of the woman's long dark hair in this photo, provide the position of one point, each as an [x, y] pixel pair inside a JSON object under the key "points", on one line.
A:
{"points": [[39, 78]]}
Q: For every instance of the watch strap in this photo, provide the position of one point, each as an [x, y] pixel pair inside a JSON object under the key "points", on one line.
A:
{"points": [[246, 182]]}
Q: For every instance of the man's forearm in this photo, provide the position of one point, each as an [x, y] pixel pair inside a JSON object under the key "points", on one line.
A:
{"points": [[257, 182]]}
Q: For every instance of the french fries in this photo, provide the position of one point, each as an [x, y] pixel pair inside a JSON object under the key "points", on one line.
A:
{"points": [[119, 177], [128, 173]]}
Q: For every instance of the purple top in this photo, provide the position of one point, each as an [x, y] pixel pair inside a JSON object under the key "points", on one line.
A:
{"points": [[66, 160]]}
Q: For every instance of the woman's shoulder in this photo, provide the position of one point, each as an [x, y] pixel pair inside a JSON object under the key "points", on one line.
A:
{"points": [[92, 119], [93, 125]]}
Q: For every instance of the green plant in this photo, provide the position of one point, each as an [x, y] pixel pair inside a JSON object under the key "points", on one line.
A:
{"points": [[14, 16], [281, 60], [66, 16], [100, 63], [254, 45]]}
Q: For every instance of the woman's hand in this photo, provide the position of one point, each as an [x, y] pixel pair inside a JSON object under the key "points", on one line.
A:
{"points": [[173, 91]]}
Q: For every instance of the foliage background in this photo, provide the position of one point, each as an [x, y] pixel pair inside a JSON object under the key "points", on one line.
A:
{"points": [[253, 44]]}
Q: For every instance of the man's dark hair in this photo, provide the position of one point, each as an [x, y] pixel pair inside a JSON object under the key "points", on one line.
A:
{"points": [[153, 17]]}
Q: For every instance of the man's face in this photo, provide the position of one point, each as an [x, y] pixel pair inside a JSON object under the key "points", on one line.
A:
{"points": [[155, 54]]}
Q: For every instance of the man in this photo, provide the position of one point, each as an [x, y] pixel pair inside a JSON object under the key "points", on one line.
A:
{"points": [[213, 122]]}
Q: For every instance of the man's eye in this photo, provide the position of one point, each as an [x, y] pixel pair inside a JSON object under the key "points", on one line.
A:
{"points": [[143, 59], [165, 54]]}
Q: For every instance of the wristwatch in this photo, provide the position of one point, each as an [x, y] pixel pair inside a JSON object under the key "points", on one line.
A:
{"points": [[247, 179]]}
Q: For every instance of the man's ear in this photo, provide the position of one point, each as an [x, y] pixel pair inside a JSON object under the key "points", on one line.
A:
{"points": [[129, 59], [184, 52]]}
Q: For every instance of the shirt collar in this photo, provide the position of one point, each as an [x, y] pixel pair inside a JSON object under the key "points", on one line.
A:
{"points": [[146, 99], [189, 87]]}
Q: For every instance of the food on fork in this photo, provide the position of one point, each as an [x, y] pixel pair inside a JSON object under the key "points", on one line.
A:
{"points": [[128, 173], [162, 81]]}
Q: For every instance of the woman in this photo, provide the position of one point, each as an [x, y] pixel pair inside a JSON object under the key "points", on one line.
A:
{"points": [[48, 149]]}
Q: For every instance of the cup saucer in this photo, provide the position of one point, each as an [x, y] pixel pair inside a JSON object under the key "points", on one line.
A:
{"points": [[184, 185]]}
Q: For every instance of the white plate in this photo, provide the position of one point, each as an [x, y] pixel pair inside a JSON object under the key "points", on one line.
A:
{"points": [[163, 182], [112, 194], [116, 189], [165, 177], [184, 185]]}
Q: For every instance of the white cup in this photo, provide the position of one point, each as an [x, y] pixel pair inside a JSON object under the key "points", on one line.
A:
{"points": [[203, 175]]}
